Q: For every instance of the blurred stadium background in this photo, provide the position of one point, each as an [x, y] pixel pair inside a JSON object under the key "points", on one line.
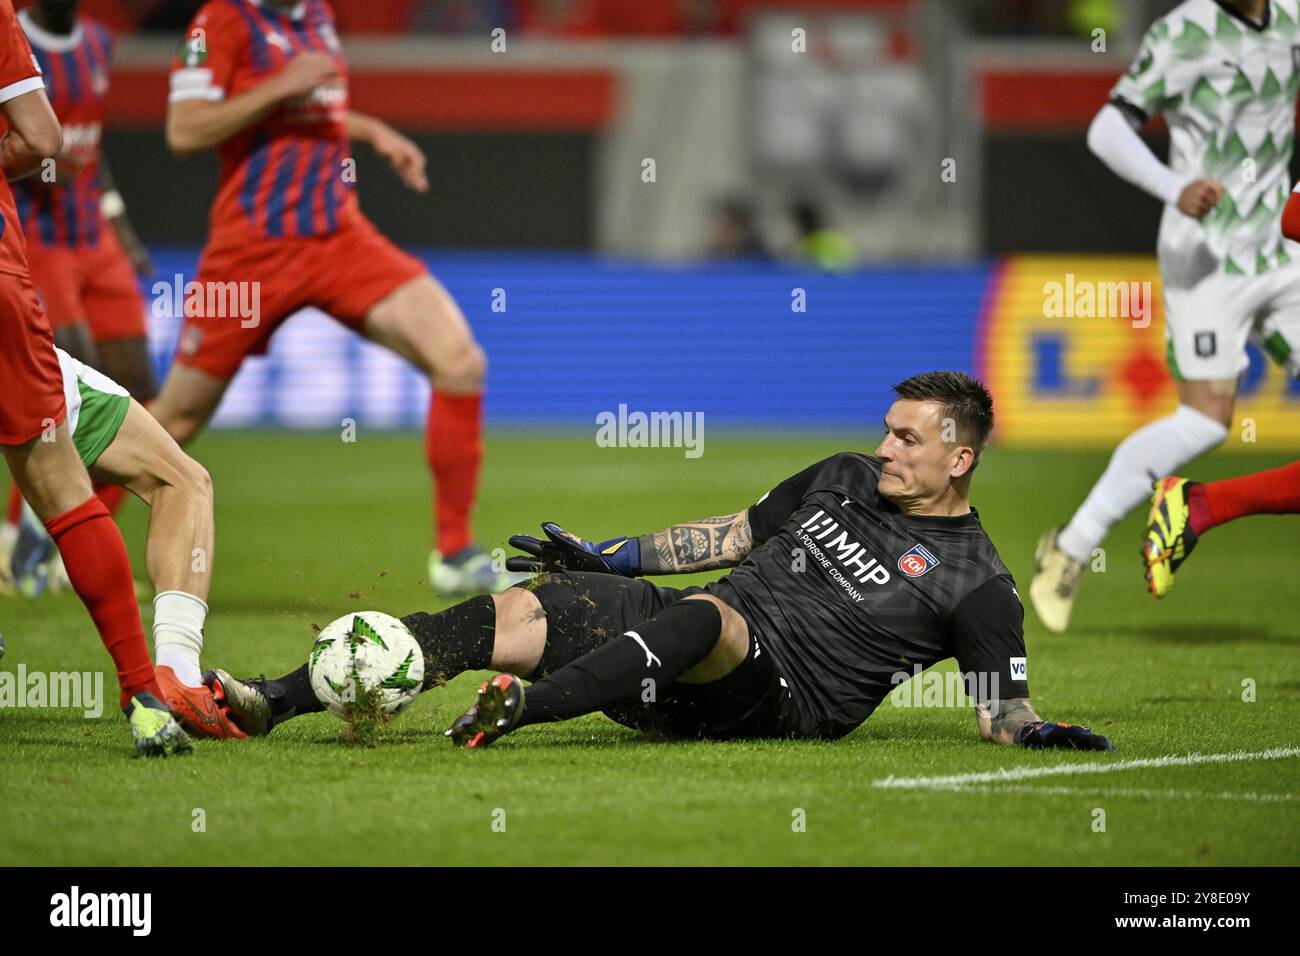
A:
{"points": [[916, 167], [913, 178]]}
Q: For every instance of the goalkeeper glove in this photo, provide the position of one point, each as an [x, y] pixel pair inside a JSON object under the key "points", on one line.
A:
{"points": [[1045, 733], [568, 552]]}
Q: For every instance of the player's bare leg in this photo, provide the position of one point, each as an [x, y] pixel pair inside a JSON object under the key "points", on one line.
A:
{"points": [[146, 461], [187, 401], [49, 474], [520, 634], [53, 480], [33, 549], [1213, 398], [422, 322], [1160, 448], [126, 361]]}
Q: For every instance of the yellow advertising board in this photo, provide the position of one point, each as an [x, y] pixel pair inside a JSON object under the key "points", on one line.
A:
{"points": [[1073, 349]]}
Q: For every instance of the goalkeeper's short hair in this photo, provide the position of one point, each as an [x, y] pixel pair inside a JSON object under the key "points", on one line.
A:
{"points": [[964, 399]]}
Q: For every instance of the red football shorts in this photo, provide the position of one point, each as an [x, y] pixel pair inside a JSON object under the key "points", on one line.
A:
{"points": [[94, 285], [343, 275], [31, 385]]}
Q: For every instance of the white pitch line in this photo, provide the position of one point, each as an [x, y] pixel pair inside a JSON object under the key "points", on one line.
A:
{"points": [[1007, 775], [1128, 792]]}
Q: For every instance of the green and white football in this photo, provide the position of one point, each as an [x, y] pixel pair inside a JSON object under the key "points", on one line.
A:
{"points": [[366, 660]]}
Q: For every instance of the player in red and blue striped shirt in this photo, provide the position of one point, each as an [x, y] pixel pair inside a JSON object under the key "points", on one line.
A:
{"points": [[35, 438], [264, 83], [83, 253]]}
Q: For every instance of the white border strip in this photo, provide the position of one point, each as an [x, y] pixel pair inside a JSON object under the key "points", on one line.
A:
{"points": [[1006, 775]]}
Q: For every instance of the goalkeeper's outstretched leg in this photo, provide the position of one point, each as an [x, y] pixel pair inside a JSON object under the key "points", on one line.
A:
{"points": [[698, 641], [531, 631]]}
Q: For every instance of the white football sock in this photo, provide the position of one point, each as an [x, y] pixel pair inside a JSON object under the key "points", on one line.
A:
{"points": [[178, 634], [1159, 449]]}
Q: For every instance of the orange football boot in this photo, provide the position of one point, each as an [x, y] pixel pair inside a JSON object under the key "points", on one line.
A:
{"points": [[196, 708]]}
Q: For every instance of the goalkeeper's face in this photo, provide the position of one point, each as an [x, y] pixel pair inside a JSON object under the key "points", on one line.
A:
{"points": [[920, 455]]}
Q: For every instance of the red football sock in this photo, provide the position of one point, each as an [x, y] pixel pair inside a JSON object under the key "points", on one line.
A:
{"points": [[110, 495], [15, 512], [100, 571], [453, 442], [1275, 492]]}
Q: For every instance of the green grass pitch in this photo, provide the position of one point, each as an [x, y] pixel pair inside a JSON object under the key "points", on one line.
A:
{"points": [[309, 527]]}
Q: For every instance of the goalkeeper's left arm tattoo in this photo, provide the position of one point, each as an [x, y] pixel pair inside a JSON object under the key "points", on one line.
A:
{"points": [[703, 545], [1011, 716]]}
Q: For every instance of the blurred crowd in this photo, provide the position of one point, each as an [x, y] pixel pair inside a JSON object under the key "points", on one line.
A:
{"points": [[560, 18], [807, 237], [632, 18]]}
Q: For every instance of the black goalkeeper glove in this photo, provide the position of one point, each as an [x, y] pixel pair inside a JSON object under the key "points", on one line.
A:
{"points": [[568, 552], [1045, 733]]}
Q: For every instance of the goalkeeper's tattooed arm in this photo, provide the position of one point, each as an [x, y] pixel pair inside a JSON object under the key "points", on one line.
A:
{"points": [[1010, 717], [703, 545]]}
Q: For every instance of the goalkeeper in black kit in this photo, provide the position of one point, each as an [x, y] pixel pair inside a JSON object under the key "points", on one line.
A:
{"points": [[846, 574]]}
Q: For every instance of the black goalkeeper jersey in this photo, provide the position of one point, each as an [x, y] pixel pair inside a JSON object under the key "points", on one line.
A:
{"points": [[846, 592]]}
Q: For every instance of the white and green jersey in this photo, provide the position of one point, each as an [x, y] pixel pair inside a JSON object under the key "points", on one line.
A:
{"points": [[97, 406], [1227, 88]]}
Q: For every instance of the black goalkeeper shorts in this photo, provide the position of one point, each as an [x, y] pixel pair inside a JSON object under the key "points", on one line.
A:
{"points": [[584, 610]]}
